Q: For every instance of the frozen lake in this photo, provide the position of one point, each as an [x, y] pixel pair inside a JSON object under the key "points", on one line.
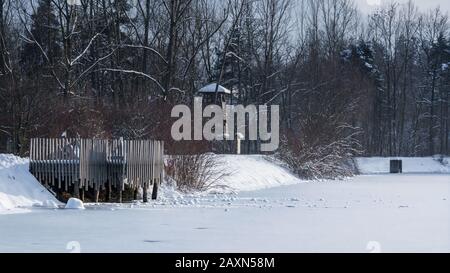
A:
{"points": [[387, 213]]}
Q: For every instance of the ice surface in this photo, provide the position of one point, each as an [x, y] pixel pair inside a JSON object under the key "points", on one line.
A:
{"points": [[400, 213], [263, 209]]}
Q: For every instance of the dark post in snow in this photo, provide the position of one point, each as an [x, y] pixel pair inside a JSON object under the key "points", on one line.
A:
{"points": [[396, 166], [155, 190], [135, 194], [108, 191], [144, 193]]}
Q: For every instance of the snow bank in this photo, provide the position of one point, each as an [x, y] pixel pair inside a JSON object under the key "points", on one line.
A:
{"points": [[251, 172], [18, 188], [74, 203], [239, 173], [380, 165]]}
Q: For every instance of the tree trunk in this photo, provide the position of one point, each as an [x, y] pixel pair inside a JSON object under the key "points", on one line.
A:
{"points": [[171, 44], [431, 131]]}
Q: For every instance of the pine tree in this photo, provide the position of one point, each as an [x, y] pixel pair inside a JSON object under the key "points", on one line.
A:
{"points": [[41, 50], [226, 66]]}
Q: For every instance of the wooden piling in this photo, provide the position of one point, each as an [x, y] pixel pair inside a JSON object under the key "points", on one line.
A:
{"points": [[108, 191], [96, 195], [144, 193], [155, 190], [76, 189]]}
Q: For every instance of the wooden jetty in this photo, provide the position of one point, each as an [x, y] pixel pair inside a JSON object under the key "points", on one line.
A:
{"points": [[98, 164]]}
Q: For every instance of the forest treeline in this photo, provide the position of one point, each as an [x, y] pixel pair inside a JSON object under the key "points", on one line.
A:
{"points": [[347, 83]]}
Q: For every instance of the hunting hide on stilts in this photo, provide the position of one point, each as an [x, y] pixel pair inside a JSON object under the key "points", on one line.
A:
{"points": [[92, 163]]}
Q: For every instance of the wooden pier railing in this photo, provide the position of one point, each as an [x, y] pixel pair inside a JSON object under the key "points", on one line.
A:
{"points": [[97, 163]]}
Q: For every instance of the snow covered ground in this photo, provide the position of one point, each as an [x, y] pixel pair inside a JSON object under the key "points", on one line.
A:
{"points": [[19, 189], [252, 172], [388, 213]]}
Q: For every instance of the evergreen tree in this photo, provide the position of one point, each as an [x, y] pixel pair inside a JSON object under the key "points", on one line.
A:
{"points": [[39, 56]]}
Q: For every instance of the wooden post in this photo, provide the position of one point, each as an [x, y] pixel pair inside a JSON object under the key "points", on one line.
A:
{"points": [[76, 189], [155, 190], [82, 194], [135, 194], [96, 194], [108, 191], [239, 138], [120, 191], [144, 194]]}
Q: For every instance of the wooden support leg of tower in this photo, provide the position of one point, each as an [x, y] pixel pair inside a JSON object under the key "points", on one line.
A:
{"points": [[108, 192], [144, 193], [155, 190], [96, 194], [135, 194], [76, 189]]}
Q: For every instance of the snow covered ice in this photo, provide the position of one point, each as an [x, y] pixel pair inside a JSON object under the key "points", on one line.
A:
{"points": [[413, 216], [397, 213]]}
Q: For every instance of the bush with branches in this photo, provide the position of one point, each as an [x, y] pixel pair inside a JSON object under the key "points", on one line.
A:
{"points": [[194, 172], [325, 157]]}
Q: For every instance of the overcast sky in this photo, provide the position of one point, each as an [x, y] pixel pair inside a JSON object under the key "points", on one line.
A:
{"points": [[368, 5]]}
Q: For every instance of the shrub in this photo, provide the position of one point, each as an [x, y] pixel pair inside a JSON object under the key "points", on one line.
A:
{"points": [[322, 157], [198, 172]]}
